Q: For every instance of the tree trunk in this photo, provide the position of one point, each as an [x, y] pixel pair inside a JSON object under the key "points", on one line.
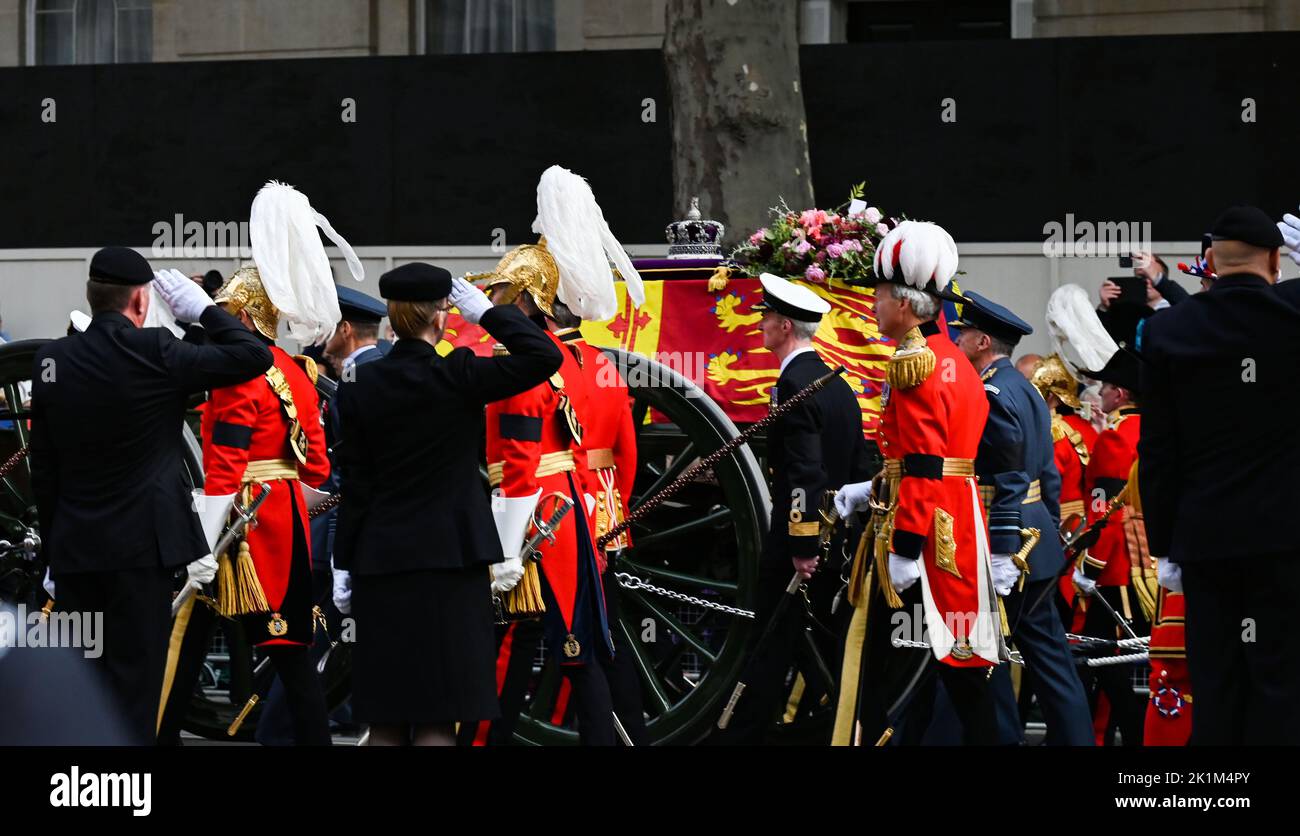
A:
{"points": [[740, 139]]}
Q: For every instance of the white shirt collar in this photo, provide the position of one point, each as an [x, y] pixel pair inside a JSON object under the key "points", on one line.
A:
{"points": [[792, 355], [351, 359]]}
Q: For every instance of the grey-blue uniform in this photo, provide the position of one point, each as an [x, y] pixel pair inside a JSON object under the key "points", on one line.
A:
{"points": [[1021, 489]]}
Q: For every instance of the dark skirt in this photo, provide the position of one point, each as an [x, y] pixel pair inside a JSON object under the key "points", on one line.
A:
{"points": [[425, 647]]}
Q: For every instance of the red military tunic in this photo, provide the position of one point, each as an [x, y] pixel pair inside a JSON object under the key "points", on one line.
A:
{"points": [[530, 446], [931, 431], [1169, 711], [1108, 471], [247, 423], [1073, 440], [609, 438]]}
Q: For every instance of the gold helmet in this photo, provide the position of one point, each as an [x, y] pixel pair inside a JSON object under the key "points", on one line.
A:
{"points": [[530, 268], [244, 292], [1051, 377]]}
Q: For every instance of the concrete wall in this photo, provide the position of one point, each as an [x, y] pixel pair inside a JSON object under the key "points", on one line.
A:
{"points": [[191, 30], [39, 287], [1078, 18]]}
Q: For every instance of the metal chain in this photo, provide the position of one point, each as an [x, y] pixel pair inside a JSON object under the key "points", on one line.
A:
{"points": [[12, 462], [630, 581], [1140, 641]]}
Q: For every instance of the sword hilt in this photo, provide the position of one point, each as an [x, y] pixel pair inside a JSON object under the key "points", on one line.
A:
{"points": [[730, 708]]}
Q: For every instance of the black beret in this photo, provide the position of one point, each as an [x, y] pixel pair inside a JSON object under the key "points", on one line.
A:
{"points": [[358, 307], [415, 282], [1247, 225], [120, 265]]}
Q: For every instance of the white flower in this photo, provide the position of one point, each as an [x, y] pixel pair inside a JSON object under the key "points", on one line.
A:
{"points": [[882, 229], [873, 215]]}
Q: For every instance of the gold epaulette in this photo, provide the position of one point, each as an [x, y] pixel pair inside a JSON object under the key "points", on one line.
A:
{"points": [[309, 366], [1058, 429], [499, 350], [912, 363]]}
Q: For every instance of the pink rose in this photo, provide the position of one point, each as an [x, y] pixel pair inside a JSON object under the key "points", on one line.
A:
{"points": [[882, 229], [812, 218], [873, 215], [757, 237], [814, 274], [853, 244], [835, 250], [802, 247]]}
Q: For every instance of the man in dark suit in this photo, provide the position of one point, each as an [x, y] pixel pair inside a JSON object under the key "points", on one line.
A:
{"points": [[1217, 498], [115, 510], [815, 447], [1020, 489]]}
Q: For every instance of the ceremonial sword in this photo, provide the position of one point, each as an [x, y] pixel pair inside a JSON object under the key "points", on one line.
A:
{"points": [[245, 516]]}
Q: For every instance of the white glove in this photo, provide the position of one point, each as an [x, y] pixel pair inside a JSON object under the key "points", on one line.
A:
{"points": [[471, 301], [1290, 228], [48, 584], [591, 503], [1170, 575], [506, 575], [343, 591], [903, 572], [202, 570], [1086, 585], [186, 299], [850, 498], [1005, 574]]}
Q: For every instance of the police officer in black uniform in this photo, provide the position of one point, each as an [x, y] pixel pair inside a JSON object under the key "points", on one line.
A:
{"points": [[1021, 488], [1218, 498], [415, 534], [114, 507], [815, 447]]}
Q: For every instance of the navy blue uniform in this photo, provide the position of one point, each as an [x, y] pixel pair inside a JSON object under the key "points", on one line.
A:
{"points": [[1021, 488]]}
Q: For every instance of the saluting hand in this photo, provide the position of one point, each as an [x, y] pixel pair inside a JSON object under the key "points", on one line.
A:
{"points": [[1290, 228], [186, 299], [471, 301]]}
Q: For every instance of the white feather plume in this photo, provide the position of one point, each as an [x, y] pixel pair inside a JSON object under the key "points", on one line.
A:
{"points": [[291, 261], [583, 246], [1077, 333], [927, 252]]}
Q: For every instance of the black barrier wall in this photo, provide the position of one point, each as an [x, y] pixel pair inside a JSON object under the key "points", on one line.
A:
{"points": [[447, 150]]}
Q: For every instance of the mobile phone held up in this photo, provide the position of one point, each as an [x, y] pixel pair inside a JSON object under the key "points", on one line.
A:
{"points": [[1132, 289]]}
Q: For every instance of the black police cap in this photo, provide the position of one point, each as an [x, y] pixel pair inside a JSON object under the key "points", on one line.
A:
{"points": [[415, 282], [1248, 225], [120, 265]]}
